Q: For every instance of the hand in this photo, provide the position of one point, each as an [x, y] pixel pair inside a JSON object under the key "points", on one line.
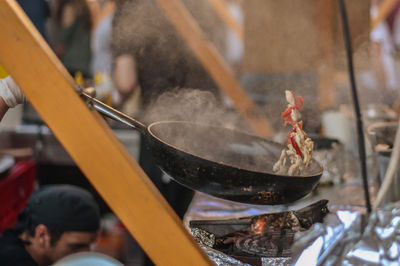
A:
{"points": [[10, 92], [125, 75]]}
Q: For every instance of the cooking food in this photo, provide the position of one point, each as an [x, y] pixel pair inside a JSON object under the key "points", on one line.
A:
{"points": [[218, 161], [299, 146]]}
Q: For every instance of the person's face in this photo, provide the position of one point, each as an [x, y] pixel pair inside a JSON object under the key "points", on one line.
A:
{"points": [[44, 252], [69, 243]]}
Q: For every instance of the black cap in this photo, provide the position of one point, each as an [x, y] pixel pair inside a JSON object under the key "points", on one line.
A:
{"points": [[64, 208]]}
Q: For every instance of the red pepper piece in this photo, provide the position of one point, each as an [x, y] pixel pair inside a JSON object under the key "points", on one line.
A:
{"points": [[296, 147], [286, 115], [298, 104]]}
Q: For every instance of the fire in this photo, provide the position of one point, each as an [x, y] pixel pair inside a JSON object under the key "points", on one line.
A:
{"points": [[259, 226]]}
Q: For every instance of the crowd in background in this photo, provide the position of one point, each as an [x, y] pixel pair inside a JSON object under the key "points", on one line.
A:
{"points": [[102, 52], [79, 32], [101, 45]]}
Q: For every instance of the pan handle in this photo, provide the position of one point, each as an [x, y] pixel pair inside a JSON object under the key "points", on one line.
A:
{"points": [[114, 114]]}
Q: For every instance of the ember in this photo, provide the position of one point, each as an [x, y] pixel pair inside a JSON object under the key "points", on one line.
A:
{"points": [[266, 235], [258, 226]]}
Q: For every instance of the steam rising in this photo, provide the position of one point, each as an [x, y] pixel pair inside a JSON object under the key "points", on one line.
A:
{"points": [[139, 23], [192, 105], [142, 24]]}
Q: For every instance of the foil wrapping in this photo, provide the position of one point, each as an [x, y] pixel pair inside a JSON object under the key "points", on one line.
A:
{"points": [[332, 161], [205, 207], [339, 233], [348, 237], [326, 243], [220, 258], [275, 261], [203, 237], [380, 241]]}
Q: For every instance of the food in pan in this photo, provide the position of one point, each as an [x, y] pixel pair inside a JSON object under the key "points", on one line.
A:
{"points": [[299, 146]]}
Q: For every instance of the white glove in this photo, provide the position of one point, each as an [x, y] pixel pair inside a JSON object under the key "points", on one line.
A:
{"points": [[10, 92]]}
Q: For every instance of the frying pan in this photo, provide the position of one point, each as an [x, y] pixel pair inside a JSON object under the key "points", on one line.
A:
{"points": [[222, 162]]}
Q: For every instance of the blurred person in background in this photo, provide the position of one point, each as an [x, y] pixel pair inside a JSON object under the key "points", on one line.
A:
{"points": [[73, 19], [101, 38], [124, 76], [151, 58], [394, 24], [57, 221], [163, 61], [101, 63], [38, 12], [234, 45], [384, 62]]}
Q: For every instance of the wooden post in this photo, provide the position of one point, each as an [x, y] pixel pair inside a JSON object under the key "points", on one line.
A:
{"points": [[214, 64], [91, 143], [222, 10], [326, 68]]}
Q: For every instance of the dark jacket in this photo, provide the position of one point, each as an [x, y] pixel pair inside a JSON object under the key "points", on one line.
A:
{"points": [[13, 252]]}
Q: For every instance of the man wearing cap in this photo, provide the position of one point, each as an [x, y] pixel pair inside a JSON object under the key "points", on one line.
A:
{"points": [[57, 221]]}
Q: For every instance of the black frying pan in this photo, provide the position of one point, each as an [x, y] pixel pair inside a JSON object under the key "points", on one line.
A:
{"points": [[218, 161]]}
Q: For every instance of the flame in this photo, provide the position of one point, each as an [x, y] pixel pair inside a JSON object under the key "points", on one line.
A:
{"points": [[259, 226]]}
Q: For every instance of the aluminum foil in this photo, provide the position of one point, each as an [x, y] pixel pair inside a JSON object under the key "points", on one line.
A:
{"points": [[205, 207], [348, 237], [346, 218], [203, 237], [380, 242], [220, 258], [325, 244], [332, 161], [275, 261]]}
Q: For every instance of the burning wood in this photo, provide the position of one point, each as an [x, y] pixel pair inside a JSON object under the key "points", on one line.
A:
{"points": [[266, 235], [258, 226]]}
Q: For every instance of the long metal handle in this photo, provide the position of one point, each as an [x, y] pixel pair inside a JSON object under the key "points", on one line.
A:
{"points": [[114, 114], [360, 127]]}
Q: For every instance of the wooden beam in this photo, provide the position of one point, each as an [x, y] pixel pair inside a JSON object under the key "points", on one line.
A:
{"points": [[221, 7], [91, 143], [190, 31], [326, 68], [383, 11]]}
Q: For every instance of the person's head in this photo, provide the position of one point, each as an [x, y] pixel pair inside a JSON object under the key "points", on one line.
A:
{"points": [[76, 8], [58, 221]]}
